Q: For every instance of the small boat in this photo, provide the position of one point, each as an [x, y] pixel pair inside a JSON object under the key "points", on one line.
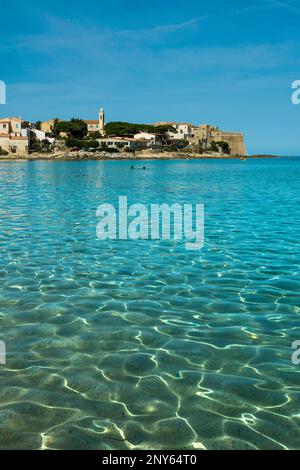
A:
{"points": [[243, 158]]}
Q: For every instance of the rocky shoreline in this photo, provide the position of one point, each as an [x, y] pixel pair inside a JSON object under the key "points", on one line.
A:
{"points": [[83, 155]]}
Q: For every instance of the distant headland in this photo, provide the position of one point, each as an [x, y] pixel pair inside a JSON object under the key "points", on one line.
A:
{"points": [[96, 139]]}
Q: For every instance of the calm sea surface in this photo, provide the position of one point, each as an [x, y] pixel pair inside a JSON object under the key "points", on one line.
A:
{"points": [[142, 344]]}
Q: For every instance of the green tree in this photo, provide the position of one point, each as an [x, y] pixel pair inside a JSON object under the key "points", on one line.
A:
{"points": [[171, 148], [46, 142], [34, 144], [224, 147], [61, 126], [80, 143], [55, 128], [127, 128], [200, 147], [120, 145], [214, 147], [94, 135], [183, 144], [3, 152], [38, 125], [163, 131], [76, 128]]}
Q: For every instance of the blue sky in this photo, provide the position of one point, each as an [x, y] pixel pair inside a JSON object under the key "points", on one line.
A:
{"points": [[227, 63]]}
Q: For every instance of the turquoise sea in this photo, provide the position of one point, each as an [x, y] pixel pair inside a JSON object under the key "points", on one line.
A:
{"points": [[143, 344]]}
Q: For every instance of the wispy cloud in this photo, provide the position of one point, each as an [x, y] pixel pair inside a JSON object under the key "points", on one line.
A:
{"points": [[192, 23], [159, 33], [287, 5], [69, 46], [70, 35], [266, 5]]}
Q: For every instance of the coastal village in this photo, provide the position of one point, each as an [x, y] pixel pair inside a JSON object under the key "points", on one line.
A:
{"points": [[21, 138]]}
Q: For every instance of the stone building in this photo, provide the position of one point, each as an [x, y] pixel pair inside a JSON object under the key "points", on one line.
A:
{"points": [[204, 134], [13, 137], [47, 126], [235, 141]]}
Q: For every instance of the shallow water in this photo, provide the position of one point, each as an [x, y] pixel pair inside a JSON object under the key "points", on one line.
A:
{"points": [[142, 344]]}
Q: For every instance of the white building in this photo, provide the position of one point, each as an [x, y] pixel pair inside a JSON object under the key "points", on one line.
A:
{"points": [[118, 142], [183, 130], [125, 142], [40, 135], [151, 140], [144, 135]]}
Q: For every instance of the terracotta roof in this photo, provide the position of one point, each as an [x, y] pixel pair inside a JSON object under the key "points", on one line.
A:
{"points": [[91, 121]]}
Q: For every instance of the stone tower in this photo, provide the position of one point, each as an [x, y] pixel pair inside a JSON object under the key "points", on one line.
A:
{"points": [[101, 121]]}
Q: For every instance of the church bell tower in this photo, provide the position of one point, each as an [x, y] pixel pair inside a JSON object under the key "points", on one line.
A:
{"points": [[101, 121]]}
